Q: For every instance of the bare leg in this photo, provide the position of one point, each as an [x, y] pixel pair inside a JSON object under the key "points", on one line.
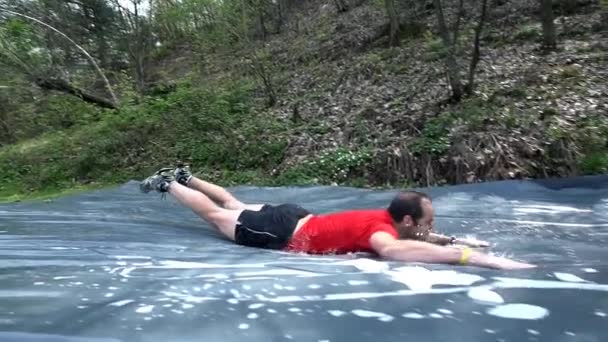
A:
{"points": [[223, 219], [220, 195]]}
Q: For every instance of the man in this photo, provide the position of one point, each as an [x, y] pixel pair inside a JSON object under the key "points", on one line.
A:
{"points": [[402, 232]]}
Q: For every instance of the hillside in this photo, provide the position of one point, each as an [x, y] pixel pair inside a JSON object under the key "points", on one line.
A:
{"points": [[350, 110]]}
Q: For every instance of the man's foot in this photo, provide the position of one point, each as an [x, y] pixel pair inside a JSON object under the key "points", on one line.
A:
{"points": [[159, 181], [182, 174]]}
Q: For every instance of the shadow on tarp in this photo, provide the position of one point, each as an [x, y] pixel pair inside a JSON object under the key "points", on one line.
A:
{"points": [[117, 265]]}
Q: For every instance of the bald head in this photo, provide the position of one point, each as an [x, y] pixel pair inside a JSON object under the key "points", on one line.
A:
{"points": [[408, 203]]}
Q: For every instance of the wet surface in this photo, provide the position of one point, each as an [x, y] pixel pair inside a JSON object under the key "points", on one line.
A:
{"points": [[116, 265]]}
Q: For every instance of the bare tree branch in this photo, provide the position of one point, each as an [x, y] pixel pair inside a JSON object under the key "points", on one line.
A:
{"points": [[64, 86], [91, 59]]}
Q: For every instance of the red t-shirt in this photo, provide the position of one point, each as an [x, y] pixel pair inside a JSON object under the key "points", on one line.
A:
{"points": [[341, 232]]}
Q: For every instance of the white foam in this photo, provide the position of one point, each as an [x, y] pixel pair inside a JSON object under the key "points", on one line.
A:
{"points": [[207, 286], [435, 315], [485, 295], [121, 263], [314, 286], [336, 313], [39, 283], [193, 265], [252, 315], [64, 277], [546, 284], [127, 257], [420, 278], [358, 282], [589, 270], [413, 315], [600, 314], [122, 302], [278, 286], [445, 311], [559, 224], [179, 312], [489, 331], [108, 295], [113, 288], [256, 306], [533, 332], [271, 311], [372, 314], [294, 309], [550, 209], [187, 306], [145, 309], [246, 287], [290, 288], [365, 265], [519, 311], [126, 272], [357, 295], [188, 298], [278, 272], [233, 301], [568, 277], [243, 326], [570, 333]]}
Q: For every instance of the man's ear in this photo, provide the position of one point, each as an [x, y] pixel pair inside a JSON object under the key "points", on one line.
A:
{"points": [[407, 221]]}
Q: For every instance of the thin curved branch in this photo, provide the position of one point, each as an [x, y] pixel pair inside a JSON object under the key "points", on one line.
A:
{"points": [[91, 59]]}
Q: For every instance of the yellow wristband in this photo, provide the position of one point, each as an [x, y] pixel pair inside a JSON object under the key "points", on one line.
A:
{"points": [[464, 256]]}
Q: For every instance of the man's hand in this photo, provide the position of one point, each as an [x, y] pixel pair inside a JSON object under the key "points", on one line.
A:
{"points": [[470, 242], [507, 264]]}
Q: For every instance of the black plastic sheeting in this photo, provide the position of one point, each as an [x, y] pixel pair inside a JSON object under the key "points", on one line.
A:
{"points": [[117, 265]]}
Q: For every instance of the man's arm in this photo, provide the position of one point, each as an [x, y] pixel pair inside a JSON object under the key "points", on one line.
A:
{"points": [[440, 239], [418, 251]]}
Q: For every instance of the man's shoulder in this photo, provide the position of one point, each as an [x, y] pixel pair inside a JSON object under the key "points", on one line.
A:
{"points": [[363, 211]]}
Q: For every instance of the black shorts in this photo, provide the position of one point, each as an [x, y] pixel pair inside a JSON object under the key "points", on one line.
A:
{"points": [[271, 227]]}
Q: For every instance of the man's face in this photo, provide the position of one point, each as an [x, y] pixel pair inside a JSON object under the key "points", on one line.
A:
{"points": [[421, 228]]}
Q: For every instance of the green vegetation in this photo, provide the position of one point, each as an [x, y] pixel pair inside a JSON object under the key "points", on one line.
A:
{"points": [[528, 32], [212, 127], [340, 166]]}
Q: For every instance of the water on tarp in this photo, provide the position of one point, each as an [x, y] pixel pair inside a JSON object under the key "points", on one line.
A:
{"points": [[117, 265]]}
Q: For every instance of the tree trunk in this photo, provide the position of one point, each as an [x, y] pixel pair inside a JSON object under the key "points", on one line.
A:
{"points": [[280, 15], [393, 19], [549, 36], [475, 57], [65, 87], [452, 66], [603, 14], [459, 14], [261, 23]]}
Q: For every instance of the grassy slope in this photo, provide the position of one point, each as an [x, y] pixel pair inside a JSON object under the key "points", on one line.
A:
{"points": [[220, 127]]}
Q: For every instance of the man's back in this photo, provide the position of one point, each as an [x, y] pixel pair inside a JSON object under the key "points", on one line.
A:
{"points": [[341, 232]]}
